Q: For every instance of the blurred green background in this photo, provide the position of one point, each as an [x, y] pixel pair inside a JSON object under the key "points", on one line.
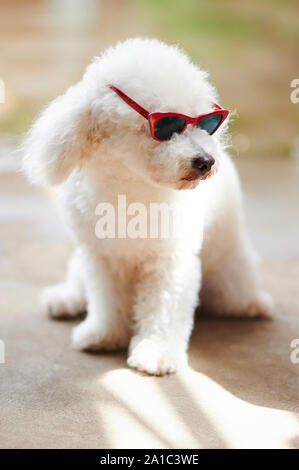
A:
{"points": [[249, 48]]}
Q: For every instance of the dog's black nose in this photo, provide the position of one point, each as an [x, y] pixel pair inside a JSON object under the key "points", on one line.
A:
{"points": [[203, 162]]}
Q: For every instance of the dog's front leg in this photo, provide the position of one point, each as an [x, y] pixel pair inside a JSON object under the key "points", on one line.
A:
{"points": [[105, 327], [166, 298]]}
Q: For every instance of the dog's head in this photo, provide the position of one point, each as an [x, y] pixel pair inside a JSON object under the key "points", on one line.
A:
{"points": [[92, 123]]}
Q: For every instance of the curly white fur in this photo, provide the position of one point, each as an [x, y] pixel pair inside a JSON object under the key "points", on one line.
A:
{"points": [[142, 292]]}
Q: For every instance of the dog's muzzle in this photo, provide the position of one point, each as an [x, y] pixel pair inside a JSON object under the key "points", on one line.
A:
{"points": [[201, 166], [203, 163]]}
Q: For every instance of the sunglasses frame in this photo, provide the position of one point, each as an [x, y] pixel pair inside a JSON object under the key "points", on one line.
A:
{"points": [[155, 116]]}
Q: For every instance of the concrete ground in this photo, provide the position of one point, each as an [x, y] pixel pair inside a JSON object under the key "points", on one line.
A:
{"points": [[239, 390]]}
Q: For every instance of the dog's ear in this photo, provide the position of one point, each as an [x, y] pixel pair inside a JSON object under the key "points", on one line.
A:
{"points": [[59, 139]]}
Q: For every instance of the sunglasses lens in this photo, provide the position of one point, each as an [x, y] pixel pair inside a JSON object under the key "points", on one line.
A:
{"points": [[167, 125], [210, 123]]}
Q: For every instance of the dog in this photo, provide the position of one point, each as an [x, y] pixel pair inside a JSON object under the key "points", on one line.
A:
{"points": [[144, 123]]}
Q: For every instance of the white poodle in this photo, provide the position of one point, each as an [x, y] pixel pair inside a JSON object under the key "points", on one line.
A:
{"points": [[95, 143]]}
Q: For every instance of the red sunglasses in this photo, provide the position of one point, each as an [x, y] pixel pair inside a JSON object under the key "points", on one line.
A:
{"points": [[163, 125]]}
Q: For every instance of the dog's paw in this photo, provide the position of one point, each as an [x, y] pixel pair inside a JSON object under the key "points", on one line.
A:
{"points": [[155, 358], [90, 336], [62, 301], [86, 336], [260, 307]]}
